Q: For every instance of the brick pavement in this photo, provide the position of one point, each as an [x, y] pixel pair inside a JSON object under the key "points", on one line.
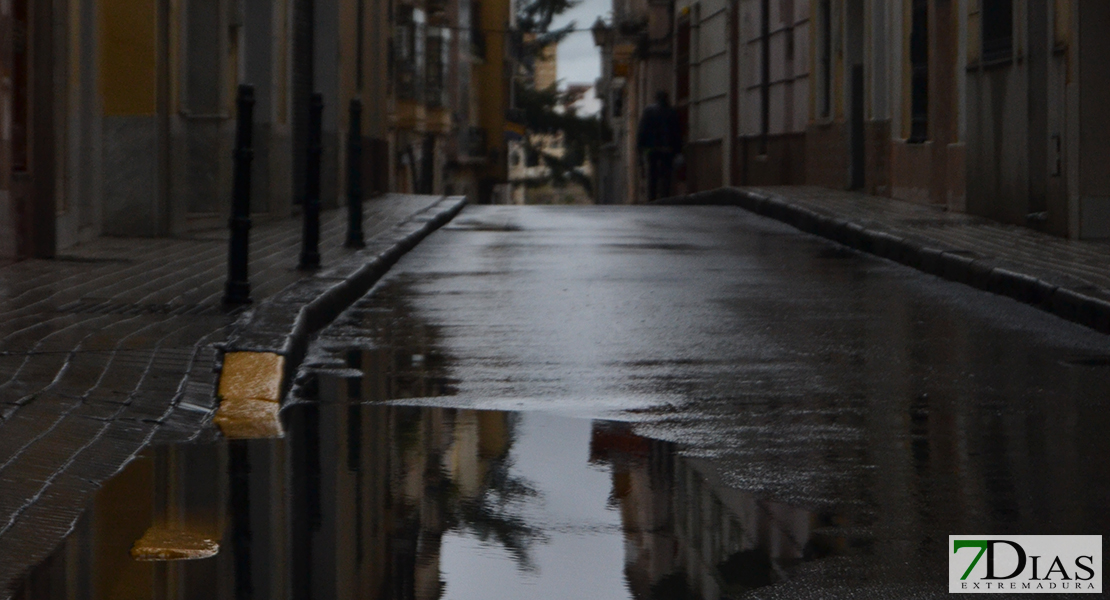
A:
{"points": [[112, 347], [1066, 277]]}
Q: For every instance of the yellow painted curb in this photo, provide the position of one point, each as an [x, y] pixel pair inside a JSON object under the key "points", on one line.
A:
{"points": [[252, 376], [248, 419], [250, 395]]}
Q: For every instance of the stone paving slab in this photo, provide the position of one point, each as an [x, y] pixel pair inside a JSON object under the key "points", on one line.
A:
{"points": [[114, 345], [1066, 277]]}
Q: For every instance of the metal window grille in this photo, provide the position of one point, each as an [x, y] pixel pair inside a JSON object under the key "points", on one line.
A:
{"points": [[825, 58], [998, 29]]}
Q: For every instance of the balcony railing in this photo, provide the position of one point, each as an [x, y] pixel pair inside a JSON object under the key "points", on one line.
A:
{"points": [[437, 46]]}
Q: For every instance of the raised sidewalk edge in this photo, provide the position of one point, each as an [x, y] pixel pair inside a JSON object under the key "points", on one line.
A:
{"points": [[284, 323], [1057, 297]]}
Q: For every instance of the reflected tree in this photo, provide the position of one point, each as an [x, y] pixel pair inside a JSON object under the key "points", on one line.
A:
{"points": [[490, 517]]}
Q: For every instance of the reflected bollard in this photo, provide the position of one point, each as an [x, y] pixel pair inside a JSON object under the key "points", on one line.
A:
{"points": [[239, 492], [310, 239], [238, 289], [354, 178]]}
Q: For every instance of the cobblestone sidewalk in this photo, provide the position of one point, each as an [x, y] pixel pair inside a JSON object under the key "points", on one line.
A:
{"points": [[111, 347]]}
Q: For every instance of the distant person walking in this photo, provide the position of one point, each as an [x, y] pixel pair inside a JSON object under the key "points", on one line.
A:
{"points": [[659, 139]]}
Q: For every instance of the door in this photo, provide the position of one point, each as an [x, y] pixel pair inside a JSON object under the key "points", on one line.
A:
{"points": [[855, 42], [682, 98], [32, 187], [857, 135], [302, 88], [1037, 55], [1056, 189], [21, 122]]}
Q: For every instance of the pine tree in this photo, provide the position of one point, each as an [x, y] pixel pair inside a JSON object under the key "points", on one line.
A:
{"points": [[549, 111]]}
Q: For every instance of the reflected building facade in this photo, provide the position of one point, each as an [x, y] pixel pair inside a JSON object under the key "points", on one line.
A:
{"points": [[690, 535], [353, 504]]}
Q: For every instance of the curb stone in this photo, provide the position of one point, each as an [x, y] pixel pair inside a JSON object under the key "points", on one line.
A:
{"points": [[1083, 304], [283, 324]]}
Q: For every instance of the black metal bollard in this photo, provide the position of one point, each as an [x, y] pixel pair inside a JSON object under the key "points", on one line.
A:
{"points": [[354, 178], [310, 242], [238, 289]]}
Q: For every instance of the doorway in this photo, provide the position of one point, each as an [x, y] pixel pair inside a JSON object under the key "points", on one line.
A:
{"points": [[32, 183], [854, 32], [858, 150], [21, 122]]}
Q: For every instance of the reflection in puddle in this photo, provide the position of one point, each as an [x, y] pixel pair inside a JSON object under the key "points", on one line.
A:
{"points": [[173, 543], [363, 500], [690, 536], [248, 419], [380, 373]]}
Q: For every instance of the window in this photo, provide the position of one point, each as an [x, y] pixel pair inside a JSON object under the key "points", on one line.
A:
{"points": [[360, 43], [824, 60], [682, 75], [919, 68], [436, 51], [20, 96], [765, 75], [682, 62], [998, 26], [408, 53], [477, 35]]}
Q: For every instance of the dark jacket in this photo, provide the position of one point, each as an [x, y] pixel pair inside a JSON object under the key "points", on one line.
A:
{"points": [[659, 130]]}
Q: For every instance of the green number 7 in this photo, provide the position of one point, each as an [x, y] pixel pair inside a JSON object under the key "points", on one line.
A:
{"points": [[980, 544]]}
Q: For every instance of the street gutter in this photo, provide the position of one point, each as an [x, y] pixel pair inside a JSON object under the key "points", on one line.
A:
{"points": [[268, 342]]}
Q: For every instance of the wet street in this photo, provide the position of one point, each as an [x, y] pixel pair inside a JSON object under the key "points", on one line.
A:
{"points": [[624, 403]]}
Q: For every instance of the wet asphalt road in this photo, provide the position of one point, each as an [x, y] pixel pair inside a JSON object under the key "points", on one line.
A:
{"points": [[886, 408], [631, 402]]}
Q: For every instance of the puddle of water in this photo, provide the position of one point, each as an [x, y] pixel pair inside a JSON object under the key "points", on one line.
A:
{"points": [[374, 374], [361, 499]]}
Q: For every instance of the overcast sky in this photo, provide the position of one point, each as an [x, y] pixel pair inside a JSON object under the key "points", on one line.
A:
{"points": [[578, 57]]}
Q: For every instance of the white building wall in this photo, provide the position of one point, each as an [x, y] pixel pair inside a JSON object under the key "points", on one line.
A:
{"points": [[709, 76], [789, 48]]}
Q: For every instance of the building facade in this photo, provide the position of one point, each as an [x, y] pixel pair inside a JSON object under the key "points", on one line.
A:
{"points": [[120, 115], [1038, 137], [492, 74], [978, 106], [982, 106], [770, 92]]}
